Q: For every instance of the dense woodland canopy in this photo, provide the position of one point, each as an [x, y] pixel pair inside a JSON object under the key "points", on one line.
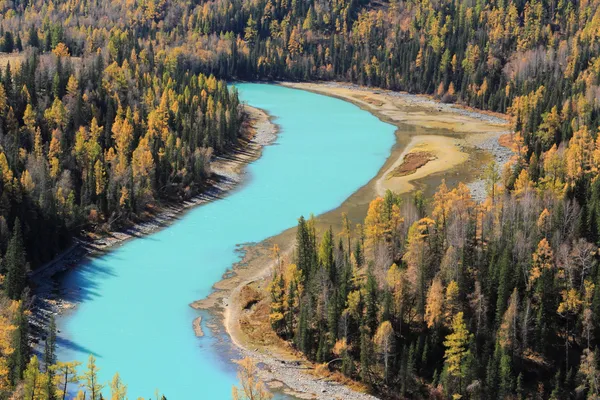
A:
{"points": [[107, 107], [453, 298]]}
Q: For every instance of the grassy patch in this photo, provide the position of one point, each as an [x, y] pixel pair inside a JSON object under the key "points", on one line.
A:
{"points": [[411, 163]]}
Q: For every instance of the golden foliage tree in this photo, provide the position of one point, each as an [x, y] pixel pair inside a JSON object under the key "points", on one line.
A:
{"points": [[543, 260], [384, 340], [434, 309], [375, 223], [251, 387], [65, 374], [456, 345]]}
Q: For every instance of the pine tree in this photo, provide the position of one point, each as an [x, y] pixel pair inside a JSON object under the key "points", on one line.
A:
{"points": [[15, 264], [18, 359], [371, 302], [366, 354], [326, 255], [50, 357], [303, 248], [506, 376], [302, 339]]}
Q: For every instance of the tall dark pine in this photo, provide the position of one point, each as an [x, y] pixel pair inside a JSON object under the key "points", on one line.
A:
{"points": [[50, 357], [15, 265], [19, 357], [303, 248]]}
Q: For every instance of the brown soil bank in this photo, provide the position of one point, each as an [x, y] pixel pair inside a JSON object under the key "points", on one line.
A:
{"points": [[448, 135]]}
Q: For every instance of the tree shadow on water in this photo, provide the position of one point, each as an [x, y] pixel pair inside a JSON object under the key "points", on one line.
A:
{"points": [[64, 343], [83, 283]]}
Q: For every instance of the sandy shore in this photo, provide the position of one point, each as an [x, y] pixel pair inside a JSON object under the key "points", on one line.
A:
{"points": [[448, 134], [411, 109], [446, 154]]}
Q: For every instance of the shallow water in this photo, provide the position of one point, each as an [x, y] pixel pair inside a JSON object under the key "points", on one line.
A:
{"points": [[133, 313]]}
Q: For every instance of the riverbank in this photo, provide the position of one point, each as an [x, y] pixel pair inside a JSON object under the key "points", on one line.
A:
{"points": [[452, 132], [226, 174], [240, 298], [242, 302]]}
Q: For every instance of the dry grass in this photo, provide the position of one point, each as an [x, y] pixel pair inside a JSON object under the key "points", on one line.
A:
{"points": [[506, 140], [15, 59], [249, 296], [412, 162], [371, 100], [323, 372], [254, 318]]}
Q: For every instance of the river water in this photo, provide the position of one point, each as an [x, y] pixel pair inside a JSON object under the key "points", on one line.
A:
{"points": [[133, 312]]}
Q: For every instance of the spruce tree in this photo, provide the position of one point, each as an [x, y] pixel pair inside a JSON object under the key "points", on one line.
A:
{"points": [[50, 357], [20, 355], [303, 248], [15, 265], [366, 354]]}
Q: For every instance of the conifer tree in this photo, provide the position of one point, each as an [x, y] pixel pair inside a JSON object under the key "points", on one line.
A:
{"points": [[15, 264], [50, 358], [34, 381], [90, 380], [456, 345], [20, 355], [65, 374], [118, 390]]}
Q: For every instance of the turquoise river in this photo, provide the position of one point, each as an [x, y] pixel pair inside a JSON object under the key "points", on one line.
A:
{"points": [[133, 309]]}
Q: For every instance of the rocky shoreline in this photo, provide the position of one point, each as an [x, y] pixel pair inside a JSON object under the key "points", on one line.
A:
{"points": [[501, 155], [293, 378], [490, 144], [427, 101], [282, 368]]}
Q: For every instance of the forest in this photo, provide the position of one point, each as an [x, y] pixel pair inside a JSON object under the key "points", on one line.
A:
{"points": [[451, 299], [110, 107]]}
